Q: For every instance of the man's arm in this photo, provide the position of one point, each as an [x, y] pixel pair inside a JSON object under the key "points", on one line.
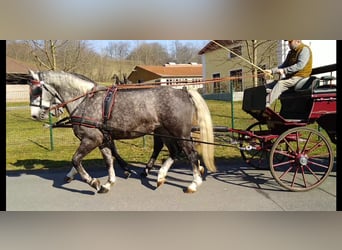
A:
{"points": [[303, 59]]}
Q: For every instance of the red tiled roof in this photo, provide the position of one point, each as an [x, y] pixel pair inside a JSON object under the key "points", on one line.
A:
{"points": [[213, 46], [175, 70]]}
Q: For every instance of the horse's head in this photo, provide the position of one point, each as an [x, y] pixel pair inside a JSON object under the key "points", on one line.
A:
{"points": [[42, 98]]}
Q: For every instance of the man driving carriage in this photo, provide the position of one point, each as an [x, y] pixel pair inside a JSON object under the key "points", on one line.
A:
{"points": [[297, 65]]}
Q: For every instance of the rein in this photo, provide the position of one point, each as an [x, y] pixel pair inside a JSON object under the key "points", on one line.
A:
{"points": [[61, 105], [68, 123]]}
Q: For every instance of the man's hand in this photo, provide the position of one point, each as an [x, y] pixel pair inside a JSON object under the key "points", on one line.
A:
{"points": [[280, 71], [268, 74]]}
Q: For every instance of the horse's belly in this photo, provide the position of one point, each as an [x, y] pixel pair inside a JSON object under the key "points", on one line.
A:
{"points": [[122, 132]]}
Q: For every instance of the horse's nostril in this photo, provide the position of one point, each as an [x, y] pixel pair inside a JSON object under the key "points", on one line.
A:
{"points": [[34, 117]]}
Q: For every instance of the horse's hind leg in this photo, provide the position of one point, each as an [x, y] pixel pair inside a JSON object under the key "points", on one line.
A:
{"points": [[122, 163], [157, 147], [163, 171], [197, 169]]}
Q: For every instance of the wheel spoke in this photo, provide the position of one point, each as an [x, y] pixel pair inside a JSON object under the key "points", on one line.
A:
{"points": [[312, 172], [303, 175]]}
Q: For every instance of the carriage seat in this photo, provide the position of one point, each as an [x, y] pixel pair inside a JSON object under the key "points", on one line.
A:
{"points": [[296, 102], [313, 84], [327, 84], [305, 84]]}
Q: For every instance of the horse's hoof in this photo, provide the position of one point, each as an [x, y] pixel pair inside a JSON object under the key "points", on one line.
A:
{"points": [[95, 183], [161, 182], [146, 172], [189, 191], [201, 168], [127, 174], [68, 179], [103, 190]]}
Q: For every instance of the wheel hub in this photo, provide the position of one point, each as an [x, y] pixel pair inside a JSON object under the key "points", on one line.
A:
{"points": [[303, 160]]}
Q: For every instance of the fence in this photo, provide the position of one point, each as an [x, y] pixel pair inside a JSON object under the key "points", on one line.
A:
{"points": [[17, 93]]}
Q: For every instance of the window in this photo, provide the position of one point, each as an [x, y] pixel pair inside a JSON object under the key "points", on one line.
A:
{"points": [[237, 50], [217, 85], [237, 81], [261, 80]]}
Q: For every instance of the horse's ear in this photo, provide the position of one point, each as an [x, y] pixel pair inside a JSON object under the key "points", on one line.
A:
{"points": [[34, 75]]}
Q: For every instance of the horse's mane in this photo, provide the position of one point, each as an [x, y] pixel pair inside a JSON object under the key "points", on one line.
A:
{"points": [[83, 77], [79, 81]]}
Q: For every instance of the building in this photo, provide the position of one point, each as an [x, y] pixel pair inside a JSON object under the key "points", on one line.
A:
{"points": [[17, 75], [231, 63], [170, 74], [17, 72]]}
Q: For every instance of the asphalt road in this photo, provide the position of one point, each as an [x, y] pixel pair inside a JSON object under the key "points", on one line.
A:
{"points": [[235, 187]]}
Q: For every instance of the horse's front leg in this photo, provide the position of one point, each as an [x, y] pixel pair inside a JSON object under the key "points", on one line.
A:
{"points": [[108, 157], [87, 145], [71, 175]]}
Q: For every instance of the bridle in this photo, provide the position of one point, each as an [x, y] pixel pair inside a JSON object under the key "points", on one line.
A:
{"points": [[36, 94], [36, 91]]}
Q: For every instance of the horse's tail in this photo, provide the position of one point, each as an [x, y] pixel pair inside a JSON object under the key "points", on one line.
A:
{"points": [[206, 129]]}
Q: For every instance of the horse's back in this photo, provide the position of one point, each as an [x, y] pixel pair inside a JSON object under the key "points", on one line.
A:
{"points": [[154, 98], [149, 109]]}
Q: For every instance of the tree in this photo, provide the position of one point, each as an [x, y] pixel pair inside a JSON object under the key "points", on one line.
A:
{"points": [[185, 53], [149, 54], [60, 54], [19, 50], [260, 53], [118, 51]]}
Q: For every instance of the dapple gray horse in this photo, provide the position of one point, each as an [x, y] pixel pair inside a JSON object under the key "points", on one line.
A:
{"points": [[163, 111]]}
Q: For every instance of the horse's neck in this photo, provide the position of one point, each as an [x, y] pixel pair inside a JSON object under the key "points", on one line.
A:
{"points": [[74, 92]]}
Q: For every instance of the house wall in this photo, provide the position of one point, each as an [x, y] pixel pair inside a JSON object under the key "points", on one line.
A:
{"points": [[17, 93], [219, 62], [141, 76]]}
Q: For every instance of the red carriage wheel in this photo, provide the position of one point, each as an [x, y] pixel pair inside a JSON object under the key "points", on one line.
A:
{"points": [[301, 159]]}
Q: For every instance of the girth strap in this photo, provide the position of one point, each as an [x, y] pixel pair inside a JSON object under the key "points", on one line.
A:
{"points": [[108, 103]]}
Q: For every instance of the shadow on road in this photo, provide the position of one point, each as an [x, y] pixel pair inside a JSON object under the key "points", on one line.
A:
{"points": [[57, 174], [232, 172]]}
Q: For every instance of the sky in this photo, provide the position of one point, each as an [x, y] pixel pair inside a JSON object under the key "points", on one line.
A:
{"points": [[99, 45]]}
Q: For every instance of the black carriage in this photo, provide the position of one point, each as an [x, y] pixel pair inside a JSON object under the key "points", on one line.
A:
{"points": [[298, 154]]}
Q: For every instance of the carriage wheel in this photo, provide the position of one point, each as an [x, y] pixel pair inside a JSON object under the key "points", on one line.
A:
{"points": [[301, 159], [257, 157]]}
